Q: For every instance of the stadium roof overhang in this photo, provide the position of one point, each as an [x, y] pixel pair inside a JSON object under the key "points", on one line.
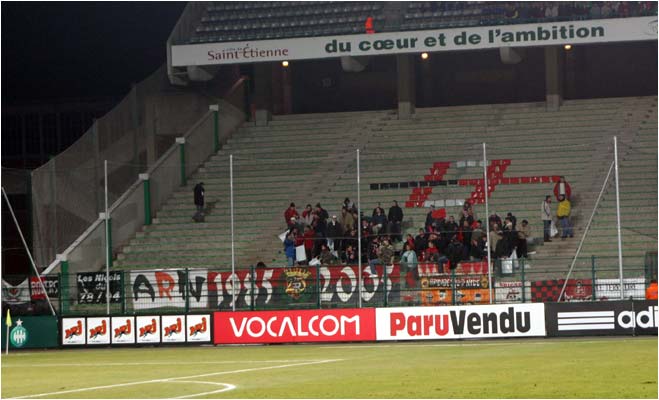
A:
{"points": [[470, 38]]}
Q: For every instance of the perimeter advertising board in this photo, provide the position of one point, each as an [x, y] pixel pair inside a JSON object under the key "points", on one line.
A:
{"points": [[30, 332], [460, 322], [98, 331], [73, 331], [290, 326], [602, 318]]}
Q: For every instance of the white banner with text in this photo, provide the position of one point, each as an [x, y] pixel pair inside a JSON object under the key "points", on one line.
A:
{"points": [[470, 38]]}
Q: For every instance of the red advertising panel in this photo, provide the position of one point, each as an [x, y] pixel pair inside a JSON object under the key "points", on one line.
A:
{"points": [[294, 326]]}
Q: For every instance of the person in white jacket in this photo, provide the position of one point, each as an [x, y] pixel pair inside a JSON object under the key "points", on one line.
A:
{"points": [[546, 218]]}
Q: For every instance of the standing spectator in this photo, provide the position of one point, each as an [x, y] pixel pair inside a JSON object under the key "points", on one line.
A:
{"points": [[464, 237], [595, 10], [562, 188], [334, 234], [322, 220], [395, 221], [524, 237], [451, 227], [347, 221], [410, 240], [349, 204], [512, 219], [367, 231], [379, 221], [199, 201], [289, 249], [430, 220], [563, 214], [651, 291], [420, 242], [408, 263], [606, 9], [378, 207], [546, 218], [351, 239], [477, 233], [309, 241], [291, 216], [307, 216], [495, 236]]}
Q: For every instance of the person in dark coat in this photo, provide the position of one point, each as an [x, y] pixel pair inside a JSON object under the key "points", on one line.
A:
{"points": [[199, 198], [395, 220]]}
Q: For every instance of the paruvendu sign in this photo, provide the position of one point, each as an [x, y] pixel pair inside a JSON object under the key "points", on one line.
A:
{"points": [[555, 33]]}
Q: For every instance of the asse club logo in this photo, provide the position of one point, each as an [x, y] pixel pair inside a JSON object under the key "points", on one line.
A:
{"points": [[18, 335]]}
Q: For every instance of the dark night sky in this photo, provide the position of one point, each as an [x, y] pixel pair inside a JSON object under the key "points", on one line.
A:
{"points": [[63, 50]]}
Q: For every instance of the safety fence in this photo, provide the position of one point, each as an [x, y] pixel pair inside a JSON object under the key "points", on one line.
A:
{"points": [[139, 292]]}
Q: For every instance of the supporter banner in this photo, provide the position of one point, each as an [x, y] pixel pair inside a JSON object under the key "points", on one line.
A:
{"points": [[31, 332], [460, 322], [290, 287], [98, 330], [609, 289], [511, 292], [198, 328], [19, 294], [92, 289], [346, 325], [549, 290], [437, 289], [51, 283], [147, 329], [470, 38], [173, 329], [73, 331], [602, 318]]}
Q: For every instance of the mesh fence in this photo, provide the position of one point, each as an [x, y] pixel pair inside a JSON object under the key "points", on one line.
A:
{"points": [[305, 287], [68, 191]]}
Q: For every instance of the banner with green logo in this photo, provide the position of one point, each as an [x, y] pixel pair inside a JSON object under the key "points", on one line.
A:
{"points": [[27, 332]]}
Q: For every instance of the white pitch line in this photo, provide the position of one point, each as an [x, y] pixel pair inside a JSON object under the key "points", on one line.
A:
{"points": [[175, 378], [227, 387], [149, 363]]}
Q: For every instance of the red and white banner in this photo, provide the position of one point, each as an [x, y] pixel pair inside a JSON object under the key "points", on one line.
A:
{"points": [[148, 329], [198, 328], [294, 326], [460, 322], [73, 331], [98, 330]]}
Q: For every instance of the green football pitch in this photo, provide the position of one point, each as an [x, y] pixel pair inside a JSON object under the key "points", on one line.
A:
{"points": [[532, 368]]}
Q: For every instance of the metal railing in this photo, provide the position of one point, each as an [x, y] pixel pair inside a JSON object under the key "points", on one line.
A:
{"points": [[140, 292]]}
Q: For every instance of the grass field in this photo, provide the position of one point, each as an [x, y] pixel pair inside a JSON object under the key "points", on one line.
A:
{"points": [[533, 368]]}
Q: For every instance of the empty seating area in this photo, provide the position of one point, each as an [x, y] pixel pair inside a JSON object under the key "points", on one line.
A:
{"points": [[236, 21], [264, 20], [269, 173], [421, 15]]}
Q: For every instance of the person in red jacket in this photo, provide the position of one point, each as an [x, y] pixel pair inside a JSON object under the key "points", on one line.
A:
{"points": [[291, 212], [562, 188], [651, 291], [309, 241]]}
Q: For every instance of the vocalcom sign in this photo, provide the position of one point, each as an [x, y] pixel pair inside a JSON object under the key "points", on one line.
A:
{"points": [[294, 326], [488, 321], [472, 38]]}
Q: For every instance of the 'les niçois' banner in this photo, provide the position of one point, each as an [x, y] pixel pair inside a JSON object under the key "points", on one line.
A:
{"points": [[269, 288]]}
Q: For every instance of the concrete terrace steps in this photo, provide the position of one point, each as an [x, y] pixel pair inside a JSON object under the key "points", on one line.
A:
{"points": [[262, 178]]}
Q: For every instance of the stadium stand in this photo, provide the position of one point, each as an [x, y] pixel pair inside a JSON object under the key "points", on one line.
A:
{"points": [[239, 21], [267, 176]]}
